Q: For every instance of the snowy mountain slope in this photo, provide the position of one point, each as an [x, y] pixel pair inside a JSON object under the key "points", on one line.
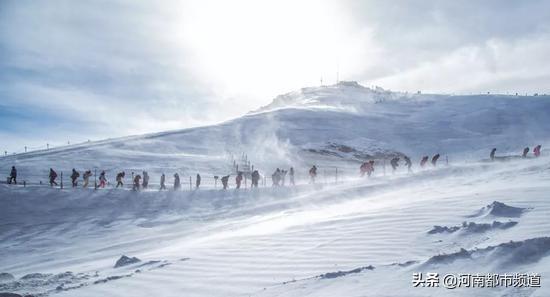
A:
{"points": [[372, 122], [276, 241], [239, 242]]}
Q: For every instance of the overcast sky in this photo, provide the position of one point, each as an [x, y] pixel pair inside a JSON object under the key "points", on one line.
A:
{"points": [[78, 70]]}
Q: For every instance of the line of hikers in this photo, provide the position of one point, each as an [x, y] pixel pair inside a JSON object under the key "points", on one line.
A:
{"points": [[368, 167], [536, 152], [278, 177], [139, 181], [142, 181]]}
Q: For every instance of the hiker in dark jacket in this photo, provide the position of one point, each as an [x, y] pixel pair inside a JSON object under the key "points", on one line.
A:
{"points": [[13, 175], [145, 182], [283, 177], [408, 163], [492, 154], [370, 168], [162, 182], [394, 164], [119, 178], [74, 177], [137, 182], [424, 161], [177, 183], [434, 160], [239, 179], [525, 152], [52, 176], [225, 179], [198, 181], [255, 178]]}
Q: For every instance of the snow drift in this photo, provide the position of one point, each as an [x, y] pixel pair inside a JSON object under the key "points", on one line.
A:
{"points": [[337, 237]]}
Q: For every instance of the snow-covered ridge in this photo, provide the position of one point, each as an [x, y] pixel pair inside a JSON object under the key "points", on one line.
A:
{"points": [[345, 96], [295, 127], [326, 238]]}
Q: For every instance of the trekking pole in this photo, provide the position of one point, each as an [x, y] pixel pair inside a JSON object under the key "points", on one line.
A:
{"points": [[61, 184]]}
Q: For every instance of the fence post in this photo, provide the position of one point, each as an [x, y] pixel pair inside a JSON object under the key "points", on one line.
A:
{"points": [[24, 184], [384, 167], [190, 185], [336, 176]]}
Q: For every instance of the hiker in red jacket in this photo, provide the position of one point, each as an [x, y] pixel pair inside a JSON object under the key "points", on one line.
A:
{"points": [[313, 174], [536, 150]]}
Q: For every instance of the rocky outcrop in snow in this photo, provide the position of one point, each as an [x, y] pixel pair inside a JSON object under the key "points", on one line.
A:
{"points": [[499, 209], [471, 227], [125, 260], [505, 254]]}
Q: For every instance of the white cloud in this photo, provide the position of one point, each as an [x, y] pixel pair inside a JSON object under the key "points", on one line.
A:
{"points": [[495, 66], [130, 67]]}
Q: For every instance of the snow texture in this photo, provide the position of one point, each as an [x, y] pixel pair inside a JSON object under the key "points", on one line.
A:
{"points": [[340, 236]]}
